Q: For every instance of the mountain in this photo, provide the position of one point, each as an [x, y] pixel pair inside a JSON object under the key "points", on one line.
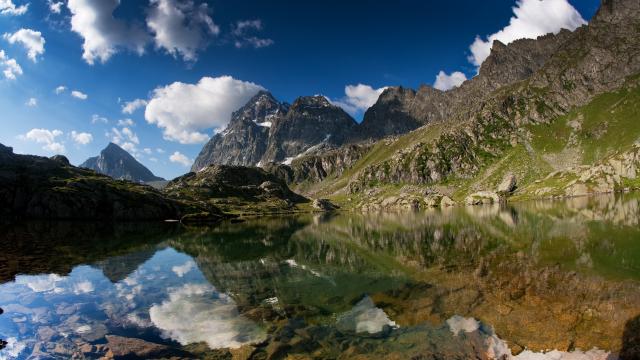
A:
{"points": [[399, 110], [114, 161], [265, 130], [35, 187], [245, 139], [312, 122], [558, 112]]}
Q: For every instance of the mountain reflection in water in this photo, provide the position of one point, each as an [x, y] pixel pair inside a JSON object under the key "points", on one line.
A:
{"points": [[481, 282]]}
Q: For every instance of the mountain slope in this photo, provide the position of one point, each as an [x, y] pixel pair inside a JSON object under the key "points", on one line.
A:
{"points": [[400, 110], [116, 162], [477, 144], [245, 139]]}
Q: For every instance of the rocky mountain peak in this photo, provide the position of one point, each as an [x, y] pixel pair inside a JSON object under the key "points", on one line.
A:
{"points": [[116, 162], [316, 101], [615, 11]]}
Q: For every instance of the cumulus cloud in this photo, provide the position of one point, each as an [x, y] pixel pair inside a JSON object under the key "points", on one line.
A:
{"points": [[81, 138], [178, 157], [46, 137], [123, 136], [184, 110], [7, 7], [60, 89], [83, 287], [180, 27], [32, 102], [358, 98], [31, 40], [10, 68], [532, 18], [55, 6], [182, 270], [243, 33], [79, 95], [126, 122], [446, 82], [40, 283], [103, 34], [130, 107], [95, 119], [197, 313]]}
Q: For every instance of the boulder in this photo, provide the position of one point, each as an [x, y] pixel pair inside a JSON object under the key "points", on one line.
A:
{"points": [[433, 200], [61, 159], [483, 197], [447, 202], [324, 205], [508, 184]]}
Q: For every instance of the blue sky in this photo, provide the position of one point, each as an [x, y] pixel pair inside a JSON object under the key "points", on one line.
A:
{"points": [[290, 48]]}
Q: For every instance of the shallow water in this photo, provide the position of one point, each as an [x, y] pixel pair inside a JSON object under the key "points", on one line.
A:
{"points": [[481, 282]]}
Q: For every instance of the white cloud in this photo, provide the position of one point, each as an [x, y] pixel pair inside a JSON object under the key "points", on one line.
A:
{"points": [[180, 27], [7, 7], [182, 270], [153, 159], [60, 89], [180, 158], [32, 102], [79, 95], [123, 136], [83, 287], [102, 33], [95, 118], [446, 82], [131, 106], [532, 18], [55, 6], [160, 151], [147, 151], [242, 31], [10, 68], [126, 122], [197, 313], [81, 138], [31, 40], [358, 98], [40, 283], [46, 137], [184, 110]]}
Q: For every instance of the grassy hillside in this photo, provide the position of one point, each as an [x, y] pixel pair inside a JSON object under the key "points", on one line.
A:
{"points": [[608, 125]]}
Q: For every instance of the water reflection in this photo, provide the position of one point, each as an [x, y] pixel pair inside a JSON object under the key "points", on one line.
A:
{"points": [[481, 282]]}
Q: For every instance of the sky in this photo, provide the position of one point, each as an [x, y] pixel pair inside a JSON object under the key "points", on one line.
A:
{"points": [[160, 77]]}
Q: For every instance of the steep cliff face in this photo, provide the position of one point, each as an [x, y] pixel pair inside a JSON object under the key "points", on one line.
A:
{"points": [[245, 139], [400, 110], [310, 123], [114, 161]]}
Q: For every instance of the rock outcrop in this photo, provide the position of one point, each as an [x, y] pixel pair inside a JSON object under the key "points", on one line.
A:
{"points": [[116, 162], [235, 188]]}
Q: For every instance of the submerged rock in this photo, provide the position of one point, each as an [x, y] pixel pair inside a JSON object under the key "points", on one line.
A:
{"points": [[483, 197]]}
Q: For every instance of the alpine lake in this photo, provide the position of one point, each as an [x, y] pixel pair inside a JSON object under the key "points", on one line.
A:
{"points": [[533, 280]]}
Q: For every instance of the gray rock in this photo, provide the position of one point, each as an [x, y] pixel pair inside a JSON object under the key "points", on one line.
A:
{"points": [[324, 205], [508, 184]]}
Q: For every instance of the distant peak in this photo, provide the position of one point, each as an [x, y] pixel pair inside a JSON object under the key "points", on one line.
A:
{"points": [[313, 101]]}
